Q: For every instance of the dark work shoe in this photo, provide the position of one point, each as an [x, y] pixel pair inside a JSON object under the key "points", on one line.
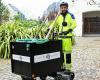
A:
{"points": [[67, 72], [72, 75]]}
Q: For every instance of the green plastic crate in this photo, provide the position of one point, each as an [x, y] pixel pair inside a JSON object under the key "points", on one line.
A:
{"points": [[33, 40]]}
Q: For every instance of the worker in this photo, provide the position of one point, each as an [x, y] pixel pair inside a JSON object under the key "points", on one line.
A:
{"points": [[65, 23]]}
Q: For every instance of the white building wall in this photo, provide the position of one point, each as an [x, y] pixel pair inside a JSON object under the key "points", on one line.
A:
{"points": [[80, 7], [78, 30]]}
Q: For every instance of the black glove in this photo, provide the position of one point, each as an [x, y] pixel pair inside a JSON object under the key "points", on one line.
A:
{"points": [[55, 33], [61, 33], [70, 30], [65, 32]]}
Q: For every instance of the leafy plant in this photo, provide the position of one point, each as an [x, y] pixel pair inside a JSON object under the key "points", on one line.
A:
{"points": [[10, 32]]}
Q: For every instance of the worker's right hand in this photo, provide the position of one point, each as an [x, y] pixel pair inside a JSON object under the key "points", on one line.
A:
{"points": [[55, 34]]}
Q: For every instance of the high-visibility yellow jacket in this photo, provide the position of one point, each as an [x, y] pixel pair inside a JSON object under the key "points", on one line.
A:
{"points": [[71, 23]]}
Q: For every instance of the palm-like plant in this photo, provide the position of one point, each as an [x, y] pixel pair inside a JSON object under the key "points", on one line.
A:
{"points": [[10, 32]]}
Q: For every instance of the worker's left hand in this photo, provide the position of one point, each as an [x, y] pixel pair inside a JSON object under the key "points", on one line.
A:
{"points": [[70, 30], [65, 32], [61, 33]]}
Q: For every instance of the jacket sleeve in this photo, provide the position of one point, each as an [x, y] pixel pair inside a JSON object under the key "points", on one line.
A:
{"points": [[73, 22]]}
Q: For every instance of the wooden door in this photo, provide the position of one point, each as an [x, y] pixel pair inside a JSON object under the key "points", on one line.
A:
{"points": [[91, 25]]}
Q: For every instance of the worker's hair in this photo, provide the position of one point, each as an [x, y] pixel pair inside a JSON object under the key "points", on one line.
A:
{"points": [[64, 4]]}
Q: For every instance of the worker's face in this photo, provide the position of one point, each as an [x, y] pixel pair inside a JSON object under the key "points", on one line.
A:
{"points": [[63, 9]]}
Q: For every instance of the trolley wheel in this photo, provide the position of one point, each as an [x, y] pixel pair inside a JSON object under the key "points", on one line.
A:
{"points": [[65, 76], [72, 74], [59, 77], [43, 77]]}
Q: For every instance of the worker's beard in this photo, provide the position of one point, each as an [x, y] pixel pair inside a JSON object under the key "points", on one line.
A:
{"points": [[64, 12]]}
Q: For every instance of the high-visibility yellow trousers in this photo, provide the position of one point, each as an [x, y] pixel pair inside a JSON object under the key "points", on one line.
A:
{"points": [[67, 50]]}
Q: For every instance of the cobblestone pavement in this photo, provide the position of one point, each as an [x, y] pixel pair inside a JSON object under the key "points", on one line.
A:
{"points": [[86, 58], [86, 61]]}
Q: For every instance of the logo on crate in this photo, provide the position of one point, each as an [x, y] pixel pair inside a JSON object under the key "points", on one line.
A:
{"points": [[21, 58], [48, 56]]}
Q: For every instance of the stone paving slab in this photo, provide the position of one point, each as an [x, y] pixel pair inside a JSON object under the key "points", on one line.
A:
{"points": [[86, 61], [5, 71], [86, 58]]}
